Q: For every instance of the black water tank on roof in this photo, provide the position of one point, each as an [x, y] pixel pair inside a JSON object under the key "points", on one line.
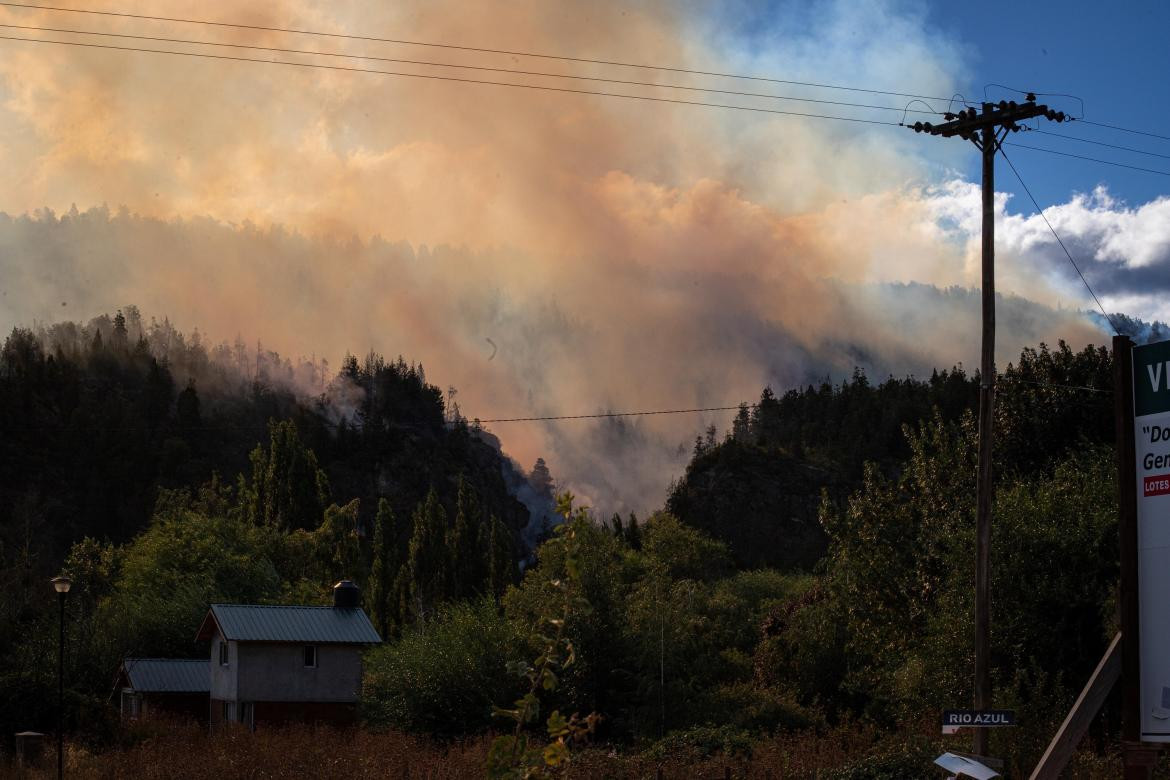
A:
{"points": [[346, 595]]}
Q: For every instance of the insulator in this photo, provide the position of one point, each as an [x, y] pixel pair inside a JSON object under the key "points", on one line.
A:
{"points": [[1031, 98], [1015, 128], [927, 126], [1050, 114], [918, 127], [1013, 105], [1059, 116], [1003, 105], [948, 116]]}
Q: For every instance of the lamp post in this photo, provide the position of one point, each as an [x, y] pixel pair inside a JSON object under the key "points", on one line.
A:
{"points": [[61, 584]]}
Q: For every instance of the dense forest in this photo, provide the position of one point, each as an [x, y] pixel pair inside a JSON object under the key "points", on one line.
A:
{"points": [[810, 570]]}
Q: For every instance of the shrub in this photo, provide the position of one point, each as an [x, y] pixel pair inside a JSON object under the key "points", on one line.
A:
{"points": [[444, 675], [701, 742], [761, 711], [903, 763]]}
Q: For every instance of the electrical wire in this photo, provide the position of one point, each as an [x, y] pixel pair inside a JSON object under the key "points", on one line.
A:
{"points": [[602, 415], [1080, 118], [1056, 235], [1088, 141], [473, 421], [1009, 380], [1077, 98], [1090, 159], [481, 50], [432, 64], [1124, 129], [456, 79]]}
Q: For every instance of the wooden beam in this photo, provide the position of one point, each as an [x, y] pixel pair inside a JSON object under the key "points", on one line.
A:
{"points": [[1087, 705]]}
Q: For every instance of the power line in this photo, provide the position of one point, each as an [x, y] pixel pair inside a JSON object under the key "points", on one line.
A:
{"points": [[547, 418], [1010, 379], [432, 64], [1088, 141], [1090, 159], [1080, 118], [601, 415], [507, 52], [1125, 129], [1067, 254], [457, 79]]}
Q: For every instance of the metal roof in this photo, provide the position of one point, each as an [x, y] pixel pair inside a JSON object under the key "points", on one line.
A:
{"points": [[316, 625], [168, 675]]}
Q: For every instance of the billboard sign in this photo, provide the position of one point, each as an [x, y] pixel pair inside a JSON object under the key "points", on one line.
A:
{"points": [[1151, 396]]}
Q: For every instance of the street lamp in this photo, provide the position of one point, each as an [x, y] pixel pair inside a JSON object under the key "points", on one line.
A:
{"points": [[61, 584]]}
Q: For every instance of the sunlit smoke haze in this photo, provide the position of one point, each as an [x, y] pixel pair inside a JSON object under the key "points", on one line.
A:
{"points": [[618, 255]]}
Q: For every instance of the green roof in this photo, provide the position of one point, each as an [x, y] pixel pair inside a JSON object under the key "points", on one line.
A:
{"points": [[309, 625]]}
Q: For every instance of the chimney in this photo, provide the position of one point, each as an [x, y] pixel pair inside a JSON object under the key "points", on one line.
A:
{"points": [[346, 595]]}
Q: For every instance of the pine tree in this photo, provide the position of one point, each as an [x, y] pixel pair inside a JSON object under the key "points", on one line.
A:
{"points": [[741, 425], [187, 409], [616, 524], [385, 569], [767, 422], [634, 533], [541, 479], [119, 340]]}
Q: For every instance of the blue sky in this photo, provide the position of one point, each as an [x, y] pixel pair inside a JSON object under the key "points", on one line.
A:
{"points": [[1113, 55]]}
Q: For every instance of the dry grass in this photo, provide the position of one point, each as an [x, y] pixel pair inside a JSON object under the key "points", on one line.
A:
{"points": [[187, 751], [162, 749]]}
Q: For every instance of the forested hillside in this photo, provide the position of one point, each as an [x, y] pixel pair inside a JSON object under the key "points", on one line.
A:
{"points": [[810, 571], [123, 440]]}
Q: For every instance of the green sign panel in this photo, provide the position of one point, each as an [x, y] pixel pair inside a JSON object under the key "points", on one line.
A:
{"points": [[1151, 379]]}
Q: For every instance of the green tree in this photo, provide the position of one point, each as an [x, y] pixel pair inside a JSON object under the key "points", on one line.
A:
{"points": [[287, 489], [467, 562], [385, 569], [424, 578], [174, 570], [501, 564], [443, 680], [634, 533]]}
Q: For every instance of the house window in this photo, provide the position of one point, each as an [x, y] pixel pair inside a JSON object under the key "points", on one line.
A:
{"points": [[223, 653], [310, 656]]}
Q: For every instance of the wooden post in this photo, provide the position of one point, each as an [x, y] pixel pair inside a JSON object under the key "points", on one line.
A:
{"points": [[982, 128], [1076, 723], [984, 491]]}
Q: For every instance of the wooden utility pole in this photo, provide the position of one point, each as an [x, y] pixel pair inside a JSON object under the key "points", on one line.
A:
{"points": [[986, 129]]}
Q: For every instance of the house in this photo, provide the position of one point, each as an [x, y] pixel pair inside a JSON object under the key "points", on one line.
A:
{"points": [[278, 664], [175, 686]]}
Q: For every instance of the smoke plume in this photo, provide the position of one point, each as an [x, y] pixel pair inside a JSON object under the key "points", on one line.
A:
{"points": [[619, 255]]}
